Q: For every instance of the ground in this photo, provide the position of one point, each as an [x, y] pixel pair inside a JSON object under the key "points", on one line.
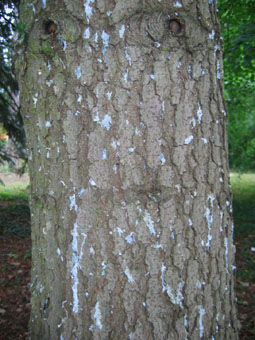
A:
{"points": [[15, 262]]}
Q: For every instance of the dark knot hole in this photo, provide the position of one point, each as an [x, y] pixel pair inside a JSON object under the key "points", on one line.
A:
{"points": [[50, 27], [176, 27]]}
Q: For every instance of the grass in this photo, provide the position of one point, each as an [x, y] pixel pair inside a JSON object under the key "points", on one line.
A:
{"points": [[14, 192], [14, 209]]}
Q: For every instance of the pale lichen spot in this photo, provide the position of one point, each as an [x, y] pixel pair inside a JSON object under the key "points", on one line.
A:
{"points": [[199, 286], [199, 113], [131, 149], [103, 265], [88, 9], [149, 222], [201, 315], [178, 4], [212, 34], [35, 98], [178, 187], [104, 154], [105, 38], [73, 204], [86, 34], [78, 72], [122, 31], [162, 159], [204, 140], [130, 238], [128, 57], [218, 69], [120, 231], [129, 276], [193, 122], [92, 182], [98, 316], [106, 122], [226, 252], [188, 140], [81, 192], [109, 95]]}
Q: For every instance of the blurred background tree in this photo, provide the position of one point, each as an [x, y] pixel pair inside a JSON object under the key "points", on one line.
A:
{"points": [[238, 31], [11, 124]]}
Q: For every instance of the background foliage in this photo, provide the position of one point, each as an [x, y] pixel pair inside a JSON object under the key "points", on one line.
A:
{"points": [[10, 118], [238, 30]]}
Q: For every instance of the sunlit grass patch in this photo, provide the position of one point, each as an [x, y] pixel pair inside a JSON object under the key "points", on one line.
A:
{"points": [[14, 191]]}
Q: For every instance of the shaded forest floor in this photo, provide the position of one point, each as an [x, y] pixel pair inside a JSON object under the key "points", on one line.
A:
{"points": [[15, 263]]}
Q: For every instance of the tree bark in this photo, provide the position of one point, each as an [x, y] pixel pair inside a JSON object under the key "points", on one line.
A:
{"points": [[130, 197]]}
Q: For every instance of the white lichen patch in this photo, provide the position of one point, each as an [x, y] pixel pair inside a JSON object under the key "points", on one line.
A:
{"points": [[199, 113], [128, 57], [103, 265], [105, 39], [175, 295], [201, 315], [98, 316], [73, 204], [122, 31], [204, 140], [81, 192], [92, 182], [226, 252], [199, 284], [212, 35], [76, 259], [130, 238], [120, 231], [125, 76], [209, 217], [178, 4], [149, 222], [162, 159], [218, 69], [77, 72], [188, 140], [88, 9], [104, 154], [35, 98], [129, 276], [178, 187], [109, 95], [86, 34], [106, 122], [131, 150]]}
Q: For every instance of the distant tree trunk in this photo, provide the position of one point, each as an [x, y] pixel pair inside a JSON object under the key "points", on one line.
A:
{"points": [[131, 205]]}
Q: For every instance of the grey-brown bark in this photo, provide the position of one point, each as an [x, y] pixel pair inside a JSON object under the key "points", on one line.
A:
{"points": [[130, 199]]}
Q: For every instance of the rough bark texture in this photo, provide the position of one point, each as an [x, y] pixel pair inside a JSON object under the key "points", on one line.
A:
{"points": [[130, 197]]}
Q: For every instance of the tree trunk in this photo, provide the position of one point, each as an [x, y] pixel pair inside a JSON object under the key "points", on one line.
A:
{"points": [[130, 198]]}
